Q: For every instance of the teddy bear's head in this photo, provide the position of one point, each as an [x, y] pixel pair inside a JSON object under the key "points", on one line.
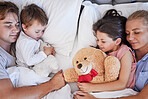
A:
{"points": [[87, 59]]}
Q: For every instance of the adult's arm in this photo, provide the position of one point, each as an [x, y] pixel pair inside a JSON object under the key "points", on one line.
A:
{"points": [[141, 95], [28, 51], [7, 91]]}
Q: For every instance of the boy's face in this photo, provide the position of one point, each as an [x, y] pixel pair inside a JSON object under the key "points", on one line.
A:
{"points": [[34, 31], [9, 29]]}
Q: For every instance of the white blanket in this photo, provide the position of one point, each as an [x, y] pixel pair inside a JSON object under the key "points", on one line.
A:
{"points": [[113, 94], [22, 76]]}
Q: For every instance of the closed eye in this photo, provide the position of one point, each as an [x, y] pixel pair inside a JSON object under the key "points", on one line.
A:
{"points": [[36, 31], [136, 32], [103, 41]]}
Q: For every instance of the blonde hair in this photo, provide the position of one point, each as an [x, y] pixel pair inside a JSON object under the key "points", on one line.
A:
{"points": [[31, 13], [140, 14]]}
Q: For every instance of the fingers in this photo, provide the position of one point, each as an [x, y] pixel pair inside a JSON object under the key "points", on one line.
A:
{"points": [[53, 52], [75, 97], [60, 71], [82, 93], [79, 86]]}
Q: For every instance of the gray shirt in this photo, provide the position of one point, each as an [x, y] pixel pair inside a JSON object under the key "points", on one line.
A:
{"points": [[6, 60]]}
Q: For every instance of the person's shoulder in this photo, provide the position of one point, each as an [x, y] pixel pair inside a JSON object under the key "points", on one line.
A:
{"points": [[123, 49], [145, 58], [123, 46], [3, 56], [25, 40], [144, 61], [2, 53]]}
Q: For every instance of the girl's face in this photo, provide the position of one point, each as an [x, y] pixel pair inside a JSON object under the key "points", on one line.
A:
{"points": [[9, 29], [105, 43], [137, 34], [35, 31]]}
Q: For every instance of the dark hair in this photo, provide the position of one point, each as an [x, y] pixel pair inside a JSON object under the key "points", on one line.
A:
{"points": [[7, 7], [33, 12], [112, 24]]}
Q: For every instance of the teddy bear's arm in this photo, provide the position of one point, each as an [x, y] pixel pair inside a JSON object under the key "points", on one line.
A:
{"points": [[70, 75], [112, 68]]}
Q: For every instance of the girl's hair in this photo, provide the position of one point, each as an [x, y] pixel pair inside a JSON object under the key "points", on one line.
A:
{"points": [[140, 14], [7, 7], [31, 13], [112, 24]]}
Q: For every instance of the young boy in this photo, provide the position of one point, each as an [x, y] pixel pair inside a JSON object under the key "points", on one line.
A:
{"points": [[34, 21]]}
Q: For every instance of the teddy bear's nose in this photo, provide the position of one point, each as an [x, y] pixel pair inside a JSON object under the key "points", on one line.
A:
{"points": [[79, 66]]}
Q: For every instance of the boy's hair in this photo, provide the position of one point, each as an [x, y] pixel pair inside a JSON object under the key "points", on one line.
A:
{"points": [[140, 14], [31, 13], [112, 24], [7, 7]]}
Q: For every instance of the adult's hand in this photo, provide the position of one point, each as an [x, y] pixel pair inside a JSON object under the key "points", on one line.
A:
{"points": [[82, 95], [58, 80]]}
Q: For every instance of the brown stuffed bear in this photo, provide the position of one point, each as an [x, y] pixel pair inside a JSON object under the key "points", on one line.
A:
{"points": [[92, 65]]}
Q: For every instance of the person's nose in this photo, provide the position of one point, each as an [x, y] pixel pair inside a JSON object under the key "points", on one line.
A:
{"points": [[131, 36], [40, 34], [16, 29], [99, 43]]}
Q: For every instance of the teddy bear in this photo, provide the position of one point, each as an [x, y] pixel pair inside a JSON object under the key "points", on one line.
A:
{"points": [[92, 65], [48, 65]]}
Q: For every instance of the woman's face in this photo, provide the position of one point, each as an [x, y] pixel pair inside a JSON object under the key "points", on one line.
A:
{"points": [[137, 34], [9, 29]]}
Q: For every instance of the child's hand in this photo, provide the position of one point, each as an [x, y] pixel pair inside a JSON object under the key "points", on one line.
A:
{"points": [[82, 95], [85, 87], [48, 50], [53, 52]]}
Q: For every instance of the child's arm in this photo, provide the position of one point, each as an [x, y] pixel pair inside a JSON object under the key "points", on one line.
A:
{"points": [[29, 50], [121, 83]]}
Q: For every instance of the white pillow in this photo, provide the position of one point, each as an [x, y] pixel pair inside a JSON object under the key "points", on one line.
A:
{"points": [[22, 3], [27, 2], [89, 16], [62, 24], [126, 9]]}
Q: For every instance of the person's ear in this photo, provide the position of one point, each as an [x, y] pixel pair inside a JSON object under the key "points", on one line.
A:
{"points": [[24, 27], [118, 41]]}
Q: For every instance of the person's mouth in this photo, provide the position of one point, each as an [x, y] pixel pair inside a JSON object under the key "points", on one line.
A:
{"points": [[133, 43], [14, 35], [38, 37], [101, 48]]}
